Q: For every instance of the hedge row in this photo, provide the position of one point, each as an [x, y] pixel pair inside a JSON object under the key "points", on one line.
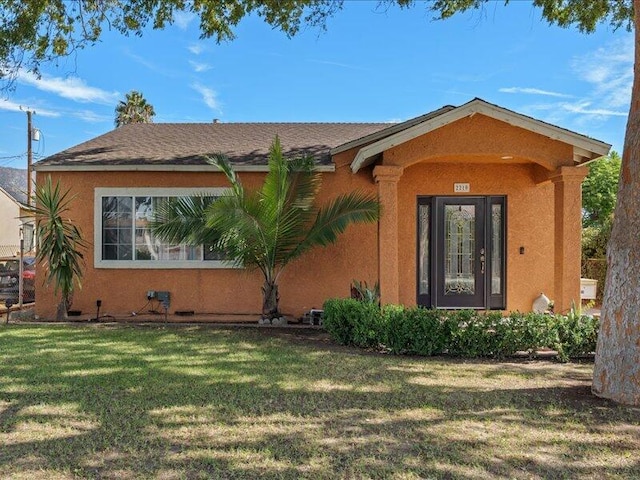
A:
{"points": [[465, 333]]}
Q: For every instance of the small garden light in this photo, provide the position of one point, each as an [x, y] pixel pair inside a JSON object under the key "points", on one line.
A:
{"points": [[98, 305]]}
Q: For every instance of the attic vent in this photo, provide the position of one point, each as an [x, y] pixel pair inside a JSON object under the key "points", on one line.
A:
{"points": [[216, 120]]}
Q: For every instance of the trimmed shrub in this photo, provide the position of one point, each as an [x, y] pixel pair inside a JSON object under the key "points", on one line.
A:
{"points": [[464, 333], [577, 335], [351, 322], [415, 331], [368, 327]]}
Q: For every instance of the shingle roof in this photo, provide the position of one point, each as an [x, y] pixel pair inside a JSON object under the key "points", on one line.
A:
{"points": [[189, 143], [247, 144]]}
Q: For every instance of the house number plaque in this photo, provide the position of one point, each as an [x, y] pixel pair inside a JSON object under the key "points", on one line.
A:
{"points": [[461, 188]]}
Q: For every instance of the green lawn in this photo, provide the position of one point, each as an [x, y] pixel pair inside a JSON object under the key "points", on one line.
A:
{"points": [[202, 402]]}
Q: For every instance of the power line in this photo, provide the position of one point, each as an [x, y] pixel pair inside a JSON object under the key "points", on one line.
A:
{"points": [[13, 157]]}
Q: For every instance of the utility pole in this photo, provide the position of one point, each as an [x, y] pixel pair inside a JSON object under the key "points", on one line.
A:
{"points": [[29, 157]]}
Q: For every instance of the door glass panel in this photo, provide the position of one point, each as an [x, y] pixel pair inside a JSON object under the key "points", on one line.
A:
{"points": [[459, 249], [496, 249], [423, 249]]}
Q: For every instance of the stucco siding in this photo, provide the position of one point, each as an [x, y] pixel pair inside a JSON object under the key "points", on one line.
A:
{"points": [[530, 216], [534, 173], [10, 222], [307, 282]]}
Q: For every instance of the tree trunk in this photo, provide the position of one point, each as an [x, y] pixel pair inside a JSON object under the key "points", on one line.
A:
{"points": [[61, 312], [270, 300], [616, 374]]}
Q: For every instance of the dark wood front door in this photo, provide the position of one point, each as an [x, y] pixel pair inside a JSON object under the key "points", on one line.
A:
{"points": [[460, 252]]}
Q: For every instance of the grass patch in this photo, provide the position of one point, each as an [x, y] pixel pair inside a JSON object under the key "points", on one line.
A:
{"points": [[201, 402]]}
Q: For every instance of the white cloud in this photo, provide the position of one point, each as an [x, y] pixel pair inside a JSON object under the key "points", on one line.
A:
{"points": [[15, 107], [141, 60], [608, 75], [208, 96], [583, 107], [91, 117], [73, 88], [196, 48], [200, 67], [610, 70], [533, 91], [336, 64], [183, 19]]}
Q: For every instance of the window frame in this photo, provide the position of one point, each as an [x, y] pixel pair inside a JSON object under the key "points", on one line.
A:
{"points": [[101, 192]]}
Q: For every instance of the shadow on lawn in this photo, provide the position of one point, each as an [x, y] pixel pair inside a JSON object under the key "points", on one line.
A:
{"points": [[203, 403]]}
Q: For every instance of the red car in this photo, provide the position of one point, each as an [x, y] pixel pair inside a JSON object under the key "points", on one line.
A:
{"points": [[9, 274]]}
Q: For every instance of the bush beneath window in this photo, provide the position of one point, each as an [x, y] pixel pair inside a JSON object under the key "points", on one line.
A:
{"points": [[464, 333]]}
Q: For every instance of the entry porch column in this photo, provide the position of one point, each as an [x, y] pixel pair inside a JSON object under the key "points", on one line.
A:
{"points": [[387, 177], [567, 183]]}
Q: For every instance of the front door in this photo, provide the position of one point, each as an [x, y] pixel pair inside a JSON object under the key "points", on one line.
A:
{"points": [[460, 252]]}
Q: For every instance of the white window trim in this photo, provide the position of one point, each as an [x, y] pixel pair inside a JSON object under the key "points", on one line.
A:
{"points": [[101, 192]]}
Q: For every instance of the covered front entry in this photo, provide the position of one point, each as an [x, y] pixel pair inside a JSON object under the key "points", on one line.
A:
{"points": [[461, 252]]}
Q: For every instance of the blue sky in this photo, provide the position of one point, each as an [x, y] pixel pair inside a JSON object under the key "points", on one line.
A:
{"points": [[370, 65]]}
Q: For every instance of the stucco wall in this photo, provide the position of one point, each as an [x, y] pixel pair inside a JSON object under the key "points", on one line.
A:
{"points": [[530, 214], [307, 282], [10, 223], [495, 158], [481, 139], [492, 156]]}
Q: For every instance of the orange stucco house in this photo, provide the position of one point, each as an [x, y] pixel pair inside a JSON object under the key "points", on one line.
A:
{"points": [[481, 209]]}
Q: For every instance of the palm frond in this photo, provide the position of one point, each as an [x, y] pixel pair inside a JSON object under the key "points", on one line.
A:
{"points": [[60, 242], [334, 218], [223, 163], [184, 220], [267, 228], [241, 223]]}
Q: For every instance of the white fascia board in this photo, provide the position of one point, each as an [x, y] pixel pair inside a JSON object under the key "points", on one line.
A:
{"points": [[162, 168], [478, 106], [404, 136], [584, 157], [581, 164], [546, 129]]}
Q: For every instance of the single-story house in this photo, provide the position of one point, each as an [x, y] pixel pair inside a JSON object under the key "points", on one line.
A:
{"points": [[481, 208], [15, 216]]}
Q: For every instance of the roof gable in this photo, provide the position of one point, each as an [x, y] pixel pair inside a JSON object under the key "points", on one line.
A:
{"points": [[585, 148], [14, 200]]}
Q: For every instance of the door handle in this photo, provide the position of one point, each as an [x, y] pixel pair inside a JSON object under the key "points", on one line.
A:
{"points": [[482, 258]]}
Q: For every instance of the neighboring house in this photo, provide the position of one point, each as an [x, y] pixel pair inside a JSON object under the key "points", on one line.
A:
{"points": [[481, 208], [14, 215]]}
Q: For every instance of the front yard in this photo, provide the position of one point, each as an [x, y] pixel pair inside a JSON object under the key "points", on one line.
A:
{"points": [[209, 402]]}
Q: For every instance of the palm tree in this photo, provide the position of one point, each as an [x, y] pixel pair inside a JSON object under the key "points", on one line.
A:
{"points": [[59, 243], [266, 228], [134, 109]]}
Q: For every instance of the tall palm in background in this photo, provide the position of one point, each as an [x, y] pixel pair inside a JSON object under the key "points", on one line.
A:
{"points": [[266, 228], [134, 109]]}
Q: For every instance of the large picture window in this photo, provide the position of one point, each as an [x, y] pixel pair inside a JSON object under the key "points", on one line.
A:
{"points": [[124, 238]]}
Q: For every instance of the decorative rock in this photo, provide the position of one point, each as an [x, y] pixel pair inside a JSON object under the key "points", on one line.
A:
{"points": [[279, 321]]}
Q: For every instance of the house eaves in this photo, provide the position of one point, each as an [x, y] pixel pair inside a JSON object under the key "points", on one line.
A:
{"points": [[585, 149], [16, 201], [162, 168], [391, 130]]}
